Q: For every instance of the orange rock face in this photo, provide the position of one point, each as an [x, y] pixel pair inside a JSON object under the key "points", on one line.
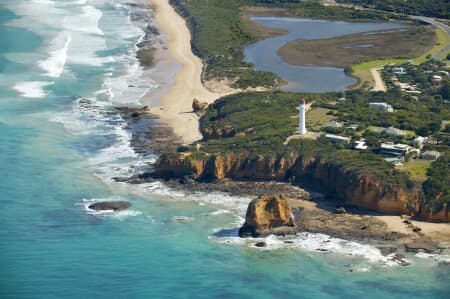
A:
{"points": [[359, 189], [266, 215], [441, 216]]}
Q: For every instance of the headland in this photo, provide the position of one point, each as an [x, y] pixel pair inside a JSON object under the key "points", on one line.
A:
{"points": [[241, 137]]}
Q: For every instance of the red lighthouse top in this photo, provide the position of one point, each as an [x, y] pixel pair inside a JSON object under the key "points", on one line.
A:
{"points": [[302, 101]]}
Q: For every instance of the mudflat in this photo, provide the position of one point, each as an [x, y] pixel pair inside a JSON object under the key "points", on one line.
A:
{"points": [[351, 49]]}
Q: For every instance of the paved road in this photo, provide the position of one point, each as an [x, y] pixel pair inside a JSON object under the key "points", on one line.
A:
{"points": [[439, 25]]}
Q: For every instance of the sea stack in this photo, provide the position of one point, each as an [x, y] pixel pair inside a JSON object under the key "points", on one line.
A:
{"points": [[268, 215], [302, 118]]}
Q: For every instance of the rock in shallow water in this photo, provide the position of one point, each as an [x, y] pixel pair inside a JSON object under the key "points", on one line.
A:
{"points": [[267, 215], [422, 244], [261, 244], [110, 205]]}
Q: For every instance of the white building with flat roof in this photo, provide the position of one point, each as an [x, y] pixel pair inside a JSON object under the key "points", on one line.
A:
{"points": [[381, 106], [338, 138]]}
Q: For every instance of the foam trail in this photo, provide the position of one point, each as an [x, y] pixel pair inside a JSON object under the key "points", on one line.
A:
{"points": [[87, 22], [54, 65], [43, 2], [436, 257], [34, 89], [311, 242]]}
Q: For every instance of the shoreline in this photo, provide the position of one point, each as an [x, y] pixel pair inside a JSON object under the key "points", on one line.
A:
{"points": [[321, 215], [176, 105]]}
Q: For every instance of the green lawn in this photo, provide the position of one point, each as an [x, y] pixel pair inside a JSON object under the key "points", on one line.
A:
{"points": [[444, 123], [362, 70], [417, 169], [316, 117], [443, 41]]}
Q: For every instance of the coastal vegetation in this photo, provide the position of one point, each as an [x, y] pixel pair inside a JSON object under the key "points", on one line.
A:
{"points": [[437, 187], [429, 8], [423, 117], [220, 33], [218, 38], [352, 49], [249, 135], [260, 122], [314, 9]]}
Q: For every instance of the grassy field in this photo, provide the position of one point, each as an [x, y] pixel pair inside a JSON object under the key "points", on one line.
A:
{"points": [[316, 117], [417, 169], [351, 49], [362, 70], [443, 41]]}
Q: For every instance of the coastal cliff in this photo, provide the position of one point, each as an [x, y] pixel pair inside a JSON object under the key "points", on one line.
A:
{"points": [[356, 188]]}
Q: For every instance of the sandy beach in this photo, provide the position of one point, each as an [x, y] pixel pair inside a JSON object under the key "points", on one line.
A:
{"points": [[176, 105]]}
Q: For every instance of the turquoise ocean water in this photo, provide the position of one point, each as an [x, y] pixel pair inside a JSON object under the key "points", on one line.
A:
{"points": [[58, 152]]}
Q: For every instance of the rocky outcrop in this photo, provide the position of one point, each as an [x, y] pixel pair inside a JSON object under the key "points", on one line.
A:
{"points": [[422, 244], [273, 215], [355, 188], [198, 106], [268, 215], [110, 206], [440, 216]]}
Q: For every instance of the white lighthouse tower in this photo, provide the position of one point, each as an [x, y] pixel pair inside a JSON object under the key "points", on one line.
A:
{"points": [[302, 118]]}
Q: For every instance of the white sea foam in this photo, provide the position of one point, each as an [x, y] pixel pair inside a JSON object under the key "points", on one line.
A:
{"points": [[315, 243], [32, 89], [35, 13], [87, 117], [219, 212], [84, 50], [54, 65], [48, 2], [436, 257], [86, 22], [119, 150], [134, 84], [80, 2]]}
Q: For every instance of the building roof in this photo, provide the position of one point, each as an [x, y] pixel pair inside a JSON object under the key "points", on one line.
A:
{"points": [[338, 137], [397, 146]]}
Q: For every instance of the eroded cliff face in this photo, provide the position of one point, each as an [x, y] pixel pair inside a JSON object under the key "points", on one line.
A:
{"points": [[441, 216], [354, 187]]}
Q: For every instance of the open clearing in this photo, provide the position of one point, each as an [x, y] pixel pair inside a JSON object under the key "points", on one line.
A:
{"points": [[417, 169], [316, 117]]}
